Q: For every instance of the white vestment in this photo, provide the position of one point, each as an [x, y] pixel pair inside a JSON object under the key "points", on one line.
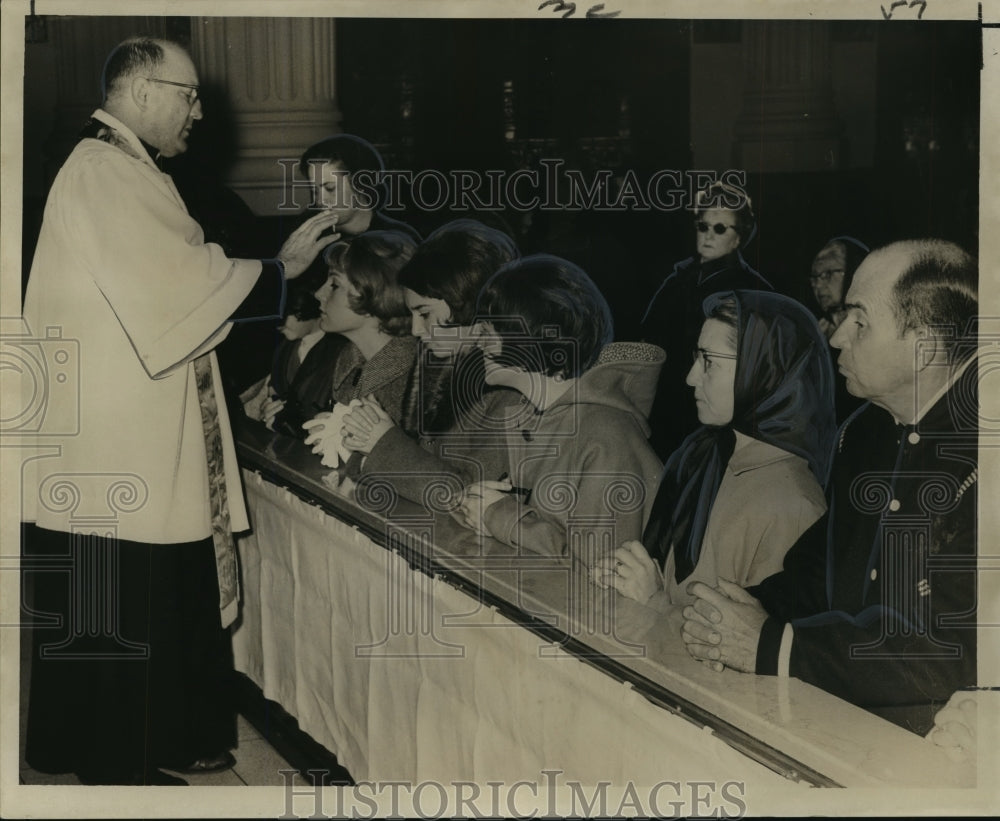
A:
{"points": [[123, 275]]}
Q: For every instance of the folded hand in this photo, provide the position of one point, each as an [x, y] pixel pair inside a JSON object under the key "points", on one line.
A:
{"points": [[723, 626], [365, 424]]}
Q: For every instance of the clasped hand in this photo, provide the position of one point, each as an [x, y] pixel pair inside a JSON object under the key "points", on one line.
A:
{"points": [[955, 727], [365, 424], [722, 627], [630, 570]]}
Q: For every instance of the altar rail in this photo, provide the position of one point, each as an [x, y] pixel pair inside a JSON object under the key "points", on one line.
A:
{"points": [[414, 650]]}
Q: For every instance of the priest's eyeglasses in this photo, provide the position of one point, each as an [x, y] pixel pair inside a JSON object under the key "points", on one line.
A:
{"points": [[192, 97]]}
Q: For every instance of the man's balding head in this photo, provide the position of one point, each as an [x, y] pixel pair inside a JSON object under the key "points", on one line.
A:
{"points": [[940, 287], [151, 85], [902, 293]]}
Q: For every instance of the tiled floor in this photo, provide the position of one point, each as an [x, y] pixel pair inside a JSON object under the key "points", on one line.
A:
{"points": [[258, 764]]}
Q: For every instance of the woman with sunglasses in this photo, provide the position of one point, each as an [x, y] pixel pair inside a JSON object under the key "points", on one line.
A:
{"points": [[723, 224], [741, 489]]}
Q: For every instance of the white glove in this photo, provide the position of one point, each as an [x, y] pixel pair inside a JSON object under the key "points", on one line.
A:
{"points": [[327, 434]]}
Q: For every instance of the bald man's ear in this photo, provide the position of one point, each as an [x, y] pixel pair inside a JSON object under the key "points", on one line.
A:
{"points": [[931, 347], [139, 89]]}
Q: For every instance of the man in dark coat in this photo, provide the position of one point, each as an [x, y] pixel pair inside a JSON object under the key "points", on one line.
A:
{"points": [[877, 601]]}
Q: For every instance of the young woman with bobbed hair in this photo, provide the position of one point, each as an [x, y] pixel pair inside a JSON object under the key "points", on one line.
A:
{"points": [[363, 301], [457, 413]]}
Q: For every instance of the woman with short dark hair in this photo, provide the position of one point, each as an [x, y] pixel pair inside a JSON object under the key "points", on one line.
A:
{"points": [[547, 333], [524, 302], [452, 264], [455, 408], [346, 173]]}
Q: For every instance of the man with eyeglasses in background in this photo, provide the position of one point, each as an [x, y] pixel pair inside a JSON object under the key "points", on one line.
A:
{"points": [[830, 278], [133, 508]]}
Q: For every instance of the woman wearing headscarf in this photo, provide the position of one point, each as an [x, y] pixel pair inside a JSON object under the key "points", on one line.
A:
{"points": [[739, 490]]}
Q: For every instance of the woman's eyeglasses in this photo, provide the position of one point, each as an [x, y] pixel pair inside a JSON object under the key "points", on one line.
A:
{"points": [[706, 357], [719, 228]]}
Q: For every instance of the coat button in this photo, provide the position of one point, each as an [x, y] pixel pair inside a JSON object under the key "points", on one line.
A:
{"points": [[874, 574], [894, 505], [913, 438]]}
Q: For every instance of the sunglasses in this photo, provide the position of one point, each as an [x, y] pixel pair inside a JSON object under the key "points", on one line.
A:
{"points": [[719, 227]]}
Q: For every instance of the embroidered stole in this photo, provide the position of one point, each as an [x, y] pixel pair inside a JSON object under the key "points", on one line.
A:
{"points": [[222, 533]]}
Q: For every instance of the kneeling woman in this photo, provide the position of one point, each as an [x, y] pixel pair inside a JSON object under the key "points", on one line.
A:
{"points": [[461, 419], [363, 302], [740, 490], [580, 472]]}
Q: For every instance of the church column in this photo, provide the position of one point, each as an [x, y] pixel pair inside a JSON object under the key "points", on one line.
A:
{"points": [[80, 45], [788, 122], [278, 78]]}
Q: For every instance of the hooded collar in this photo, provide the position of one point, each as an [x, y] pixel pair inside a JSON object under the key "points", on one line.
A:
{"points": [[624, 377]]}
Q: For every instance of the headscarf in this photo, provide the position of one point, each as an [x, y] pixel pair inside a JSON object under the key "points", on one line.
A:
{"points": [[783, 395]]}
